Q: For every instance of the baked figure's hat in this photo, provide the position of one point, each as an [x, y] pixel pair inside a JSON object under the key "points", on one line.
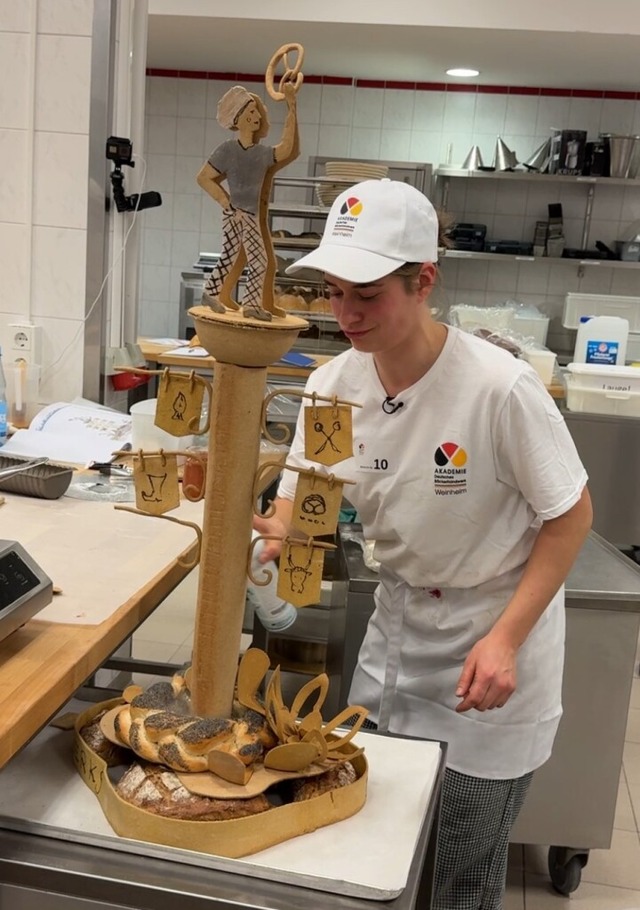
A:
{"points": [[231, 104]]}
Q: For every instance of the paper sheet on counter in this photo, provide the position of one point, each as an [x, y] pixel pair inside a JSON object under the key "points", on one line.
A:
{"points": [[97, 555], [367, 855]]}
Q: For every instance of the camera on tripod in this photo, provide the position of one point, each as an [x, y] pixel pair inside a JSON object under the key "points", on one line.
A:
{"points": [[120, 151]]}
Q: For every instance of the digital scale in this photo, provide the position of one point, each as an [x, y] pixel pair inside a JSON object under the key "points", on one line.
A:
{"points": [[24, 587]]}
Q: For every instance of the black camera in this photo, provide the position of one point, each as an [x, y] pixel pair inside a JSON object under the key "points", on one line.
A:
{"points": [[120, 151]]}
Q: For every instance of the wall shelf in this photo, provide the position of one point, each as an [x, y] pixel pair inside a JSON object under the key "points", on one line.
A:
{"points": [[556, 260], [445, 174], [535, 177]]}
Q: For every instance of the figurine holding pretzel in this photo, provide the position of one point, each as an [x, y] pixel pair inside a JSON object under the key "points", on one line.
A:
{"points": [[238, 176]]}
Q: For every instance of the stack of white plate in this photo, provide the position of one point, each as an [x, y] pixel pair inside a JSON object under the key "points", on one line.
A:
{"points": [[352, 171]]}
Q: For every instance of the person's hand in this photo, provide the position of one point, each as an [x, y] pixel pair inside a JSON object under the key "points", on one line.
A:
{"points": [[289, 90], [488, 677], [271, 548], [229, 210]]}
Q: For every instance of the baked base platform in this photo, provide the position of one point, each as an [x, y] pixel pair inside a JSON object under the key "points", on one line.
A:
{"points": [[351, 857]]}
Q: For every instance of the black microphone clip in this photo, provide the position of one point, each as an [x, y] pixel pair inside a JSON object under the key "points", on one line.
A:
{"points": [[389, 406]]}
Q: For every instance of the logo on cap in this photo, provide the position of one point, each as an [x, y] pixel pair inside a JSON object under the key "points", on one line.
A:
{"points": [[352, 206], [347, 219]]}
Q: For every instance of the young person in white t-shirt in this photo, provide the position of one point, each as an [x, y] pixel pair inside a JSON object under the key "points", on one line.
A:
{"points": [[469, 483]]}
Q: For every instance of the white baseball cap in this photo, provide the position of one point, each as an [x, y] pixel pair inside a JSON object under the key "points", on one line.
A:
{"points": [[372, 229]]}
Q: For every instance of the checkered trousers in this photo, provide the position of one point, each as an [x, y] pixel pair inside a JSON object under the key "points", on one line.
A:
{"points": [[241, 229], [476, 818]]}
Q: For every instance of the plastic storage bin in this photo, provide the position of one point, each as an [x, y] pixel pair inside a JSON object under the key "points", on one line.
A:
{"points": [[535, 327], [603, 390], [578, 305]]}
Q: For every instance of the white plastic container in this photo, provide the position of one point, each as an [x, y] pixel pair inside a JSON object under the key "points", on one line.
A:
{"points": [[274, 613], [578, 305], [543, 362], [536, 327], [603, 390], [602, 340], [633, 347], [147, 436]]}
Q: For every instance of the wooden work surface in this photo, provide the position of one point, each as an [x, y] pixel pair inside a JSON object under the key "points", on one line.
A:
{"points": [[44, 663], [156, 353]]}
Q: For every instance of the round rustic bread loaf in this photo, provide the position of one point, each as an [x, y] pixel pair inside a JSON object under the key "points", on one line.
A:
{"points": [[158, 790]]}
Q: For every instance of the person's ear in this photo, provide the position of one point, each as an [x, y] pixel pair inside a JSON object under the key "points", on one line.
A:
{"points": [[426, 278]]}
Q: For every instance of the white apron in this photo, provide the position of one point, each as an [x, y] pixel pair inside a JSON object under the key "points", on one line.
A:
{"points": [[412, 657]]}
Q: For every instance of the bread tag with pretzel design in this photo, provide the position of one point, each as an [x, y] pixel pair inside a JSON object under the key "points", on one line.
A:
{"points": [[328, 435], [156, 482], [300, 574], [180, 397], [317, 502]]}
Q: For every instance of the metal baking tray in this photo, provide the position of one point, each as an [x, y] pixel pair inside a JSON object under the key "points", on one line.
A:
{"points": [[45, 481]]}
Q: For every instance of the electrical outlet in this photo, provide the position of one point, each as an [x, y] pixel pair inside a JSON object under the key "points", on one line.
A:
{"points": [[25, 341], [22, 340]]}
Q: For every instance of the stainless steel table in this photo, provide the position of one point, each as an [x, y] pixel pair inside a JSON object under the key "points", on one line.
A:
{"points": [[43, 873], [609, 448], [571, 804]]}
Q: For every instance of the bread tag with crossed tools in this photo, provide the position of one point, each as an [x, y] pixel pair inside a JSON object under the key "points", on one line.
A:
{"points": [[328, 436]]}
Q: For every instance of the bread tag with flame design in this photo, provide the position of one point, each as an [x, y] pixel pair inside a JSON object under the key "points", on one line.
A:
{"points": [[180, 397]]}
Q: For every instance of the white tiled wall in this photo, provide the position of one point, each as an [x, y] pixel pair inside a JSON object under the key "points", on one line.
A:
{"points": [[359, 122], [43, 209]]}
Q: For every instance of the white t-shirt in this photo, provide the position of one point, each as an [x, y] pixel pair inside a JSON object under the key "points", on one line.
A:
{"points": [[453, 487]]}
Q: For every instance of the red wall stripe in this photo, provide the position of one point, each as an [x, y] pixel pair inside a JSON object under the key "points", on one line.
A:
{"points": [[409, 86]]}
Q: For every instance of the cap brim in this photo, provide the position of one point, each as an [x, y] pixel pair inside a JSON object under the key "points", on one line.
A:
{"points": [[346, 263]]}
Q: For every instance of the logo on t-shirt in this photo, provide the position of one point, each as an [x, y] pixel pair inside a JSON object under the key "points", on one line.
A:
{"points": [[450, 475]]}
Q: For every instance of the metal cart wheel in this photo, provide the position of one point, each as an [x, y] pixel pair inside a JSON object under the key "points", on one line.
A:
{"points": [[565, 868]]}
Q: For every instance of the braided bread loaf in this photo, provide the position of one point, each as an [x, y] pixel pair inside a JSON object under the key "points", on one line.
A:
{"points": [[158, 727]]}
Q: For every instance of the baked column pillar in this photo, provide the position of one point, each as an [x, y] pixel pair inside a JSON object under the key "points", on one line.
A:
{"points": [[243, 348], [234, 444]]}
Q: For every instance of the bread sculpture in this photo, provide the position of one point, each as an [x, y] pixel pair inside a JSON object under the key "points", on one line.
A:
{"points": [[159, 726]]}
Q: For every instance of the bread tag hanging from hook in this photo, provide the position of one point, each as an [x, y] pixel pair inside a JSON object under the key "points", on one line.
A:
{"points": [[180, 397], [328, 435], [316, 506], [156, 481], [300, 574]]}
